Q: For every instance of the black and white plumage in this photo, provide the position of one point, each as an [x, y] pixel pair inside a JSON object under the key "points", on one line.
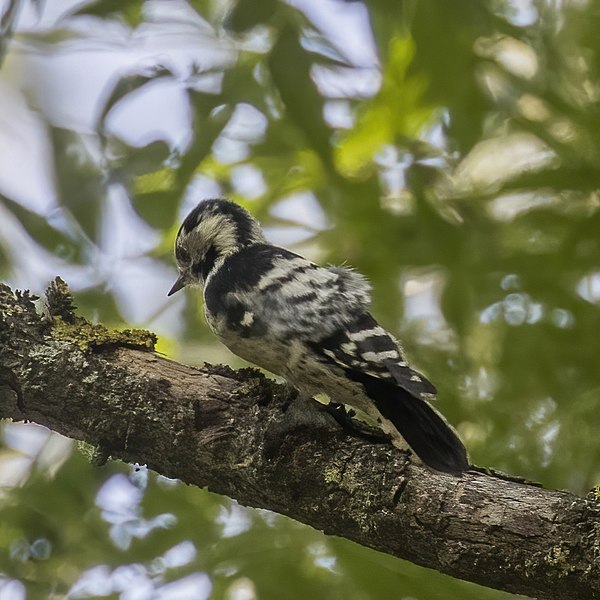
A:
{"points": [[309, 324]]}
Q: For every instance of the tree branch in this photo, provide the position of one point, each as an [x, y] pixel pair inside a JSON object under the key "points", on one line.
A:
{"points": [[232, 432]]}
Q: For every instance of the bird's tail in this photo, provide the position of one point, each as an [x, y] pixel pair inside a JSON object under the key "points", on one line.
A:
{"points": [[432, 439]]}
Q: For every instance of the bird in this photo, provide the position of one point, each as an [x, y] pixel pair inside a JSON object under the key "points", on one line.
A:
{"points": [[311, 325]]}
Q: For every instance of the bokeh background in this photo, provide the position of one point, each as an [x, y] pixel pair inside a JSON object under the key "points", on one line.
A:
{"points": [[450, 151]]}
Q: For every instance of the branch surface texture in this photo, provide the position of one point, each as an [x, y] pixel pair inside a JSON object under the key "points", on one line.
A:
{"points": [[237, 433]]}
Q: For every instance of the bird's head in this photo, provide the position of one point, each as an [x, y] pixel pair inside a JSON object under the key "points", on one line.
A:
{"points": [[212, 231]]}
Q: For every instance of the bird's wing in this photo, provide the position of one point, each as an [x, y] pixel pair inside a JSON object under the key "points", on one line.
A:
{"points": [[285, 296], [294, 296], [363, 347]]}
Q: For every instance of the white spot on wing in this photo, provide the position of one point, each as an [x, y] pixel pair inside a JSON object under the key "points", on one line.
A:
{"points": [[348, 347], [359, 336], [379, 356], [322, 397], [247, 319]]}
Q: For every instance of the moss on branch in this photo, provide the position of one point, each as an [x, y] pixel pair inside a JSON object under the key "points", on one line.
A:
{"points": [[66, 326]]}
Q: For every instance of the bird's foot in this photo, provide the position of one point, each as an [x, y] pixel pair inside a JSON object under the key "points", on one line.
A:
{"points": [[350, 421]]}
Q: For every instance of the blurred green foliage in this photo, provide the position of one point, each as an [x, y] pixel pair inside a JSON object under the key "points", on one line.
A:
{"points": [[456, 165]]}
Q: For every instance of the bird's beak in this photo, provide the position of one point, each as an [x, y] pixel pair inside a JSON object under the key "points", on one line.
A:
{"points": [[180, 283]]}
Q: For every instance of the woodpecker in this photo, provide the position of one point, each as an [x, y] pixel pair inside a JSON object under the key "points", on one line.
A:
{"points": [[310, 325]]}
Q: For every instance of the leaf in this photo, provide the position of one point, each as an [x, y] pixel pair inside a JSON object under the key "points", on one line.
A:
{"points": [[445, 34], [567, 177], [130, 83], [156, 197], [210, 118], [249, 13], [397, 111], [7, 21], [162, 180], [244, 83], [132, 161], [290, 66], [130, 10], [80, 184], [55, 241]]}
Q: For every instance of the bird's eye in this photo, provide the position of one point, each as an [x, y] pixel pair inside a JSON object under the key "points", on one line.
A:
{"points": [[182, 255]]}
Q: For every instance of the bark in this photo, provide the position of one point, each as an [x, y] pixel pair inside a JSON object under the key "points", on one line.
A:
{"points": [[241, 435]]}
